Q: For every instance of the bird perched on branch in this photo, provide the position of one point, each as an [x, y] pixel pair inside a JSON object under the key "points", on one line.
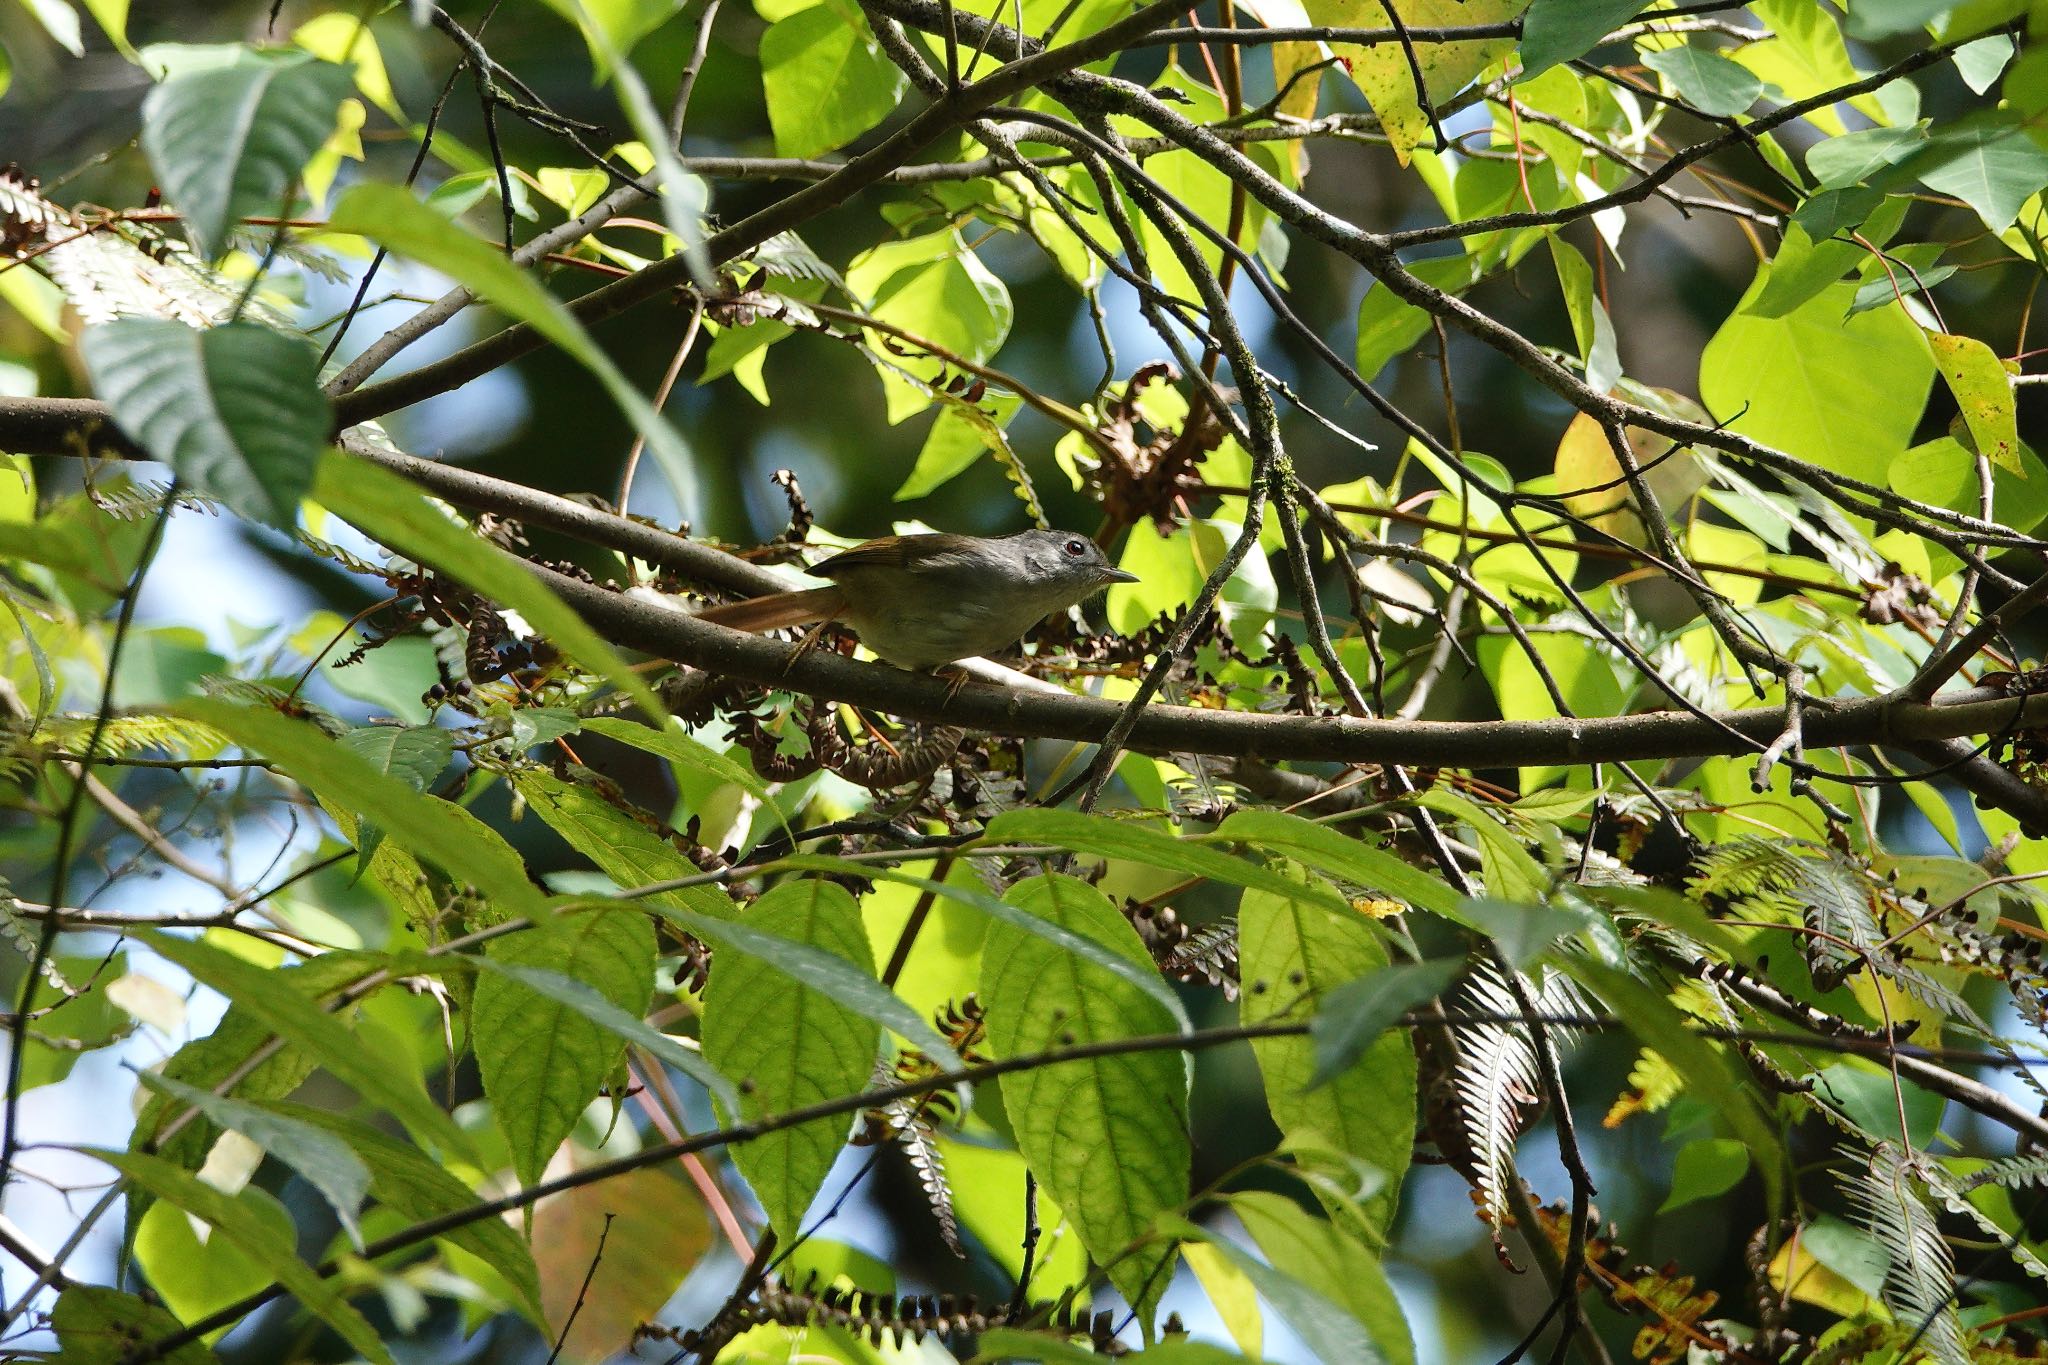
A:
{"points": [[922, 601]]}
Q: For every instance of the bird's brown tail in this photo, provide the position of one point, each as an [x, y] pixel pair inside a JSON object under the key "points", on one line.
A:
{"points": [[777, 610]]}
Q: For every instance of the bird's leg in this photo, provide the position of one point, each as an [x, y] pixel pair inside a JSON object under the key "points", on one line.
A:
{"points": [[806, 645]]}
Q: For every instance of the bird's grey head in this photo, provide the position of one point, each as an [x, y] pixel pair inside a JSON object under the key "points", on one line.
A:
{"points": [[1069, 566]]}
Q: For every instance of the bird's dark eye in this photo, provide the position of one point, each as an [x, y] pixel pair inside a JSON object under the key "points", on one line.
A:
{"points": [[1076, 548]]}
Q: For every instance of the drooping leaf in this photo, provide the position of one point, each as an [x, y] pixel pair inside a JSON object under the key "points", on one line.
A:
{"points": [[1106, 1136], [1292, 958], [100, 1326], [1983, 393], [235, 411], [437, 831], [789, 1048], [542, 1060], [398, 514], [227, 142]]}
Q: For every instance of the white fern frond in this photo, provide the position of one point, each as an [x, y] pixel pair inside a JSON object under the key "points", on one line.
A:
{"points": [[1920, 1279]]}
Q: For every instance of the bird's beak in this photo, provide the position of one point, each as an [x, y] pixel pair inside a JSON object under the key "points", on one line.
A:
{"points": [[1119, 576]]}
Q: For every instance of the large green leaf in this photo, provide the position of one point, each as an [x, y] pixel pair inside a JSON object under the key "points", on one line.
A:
{"points": [[393, 218], [1144, 976], [1992, 163], [1106, 1136], [260, 1238], [624, 849], [291, 1016], [826, 81], [542, 1060], [398, 514], [1845, 395], [1706, 80], [228, 142], [685, 752], [791, 1048], [236, 411], [1291, 957]]}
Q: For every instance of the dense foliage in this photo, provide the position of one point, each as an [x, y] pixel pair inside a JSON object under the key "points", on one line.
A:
{"points": [[1576, 713]]}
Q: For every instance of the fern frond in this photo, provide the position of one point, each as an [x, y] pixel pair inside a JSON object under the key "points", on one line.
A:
{"points": [[2013, 1172], [789, 256], [1952, 1190], [1497, 1082], [127, 736], [1920, 1281]]}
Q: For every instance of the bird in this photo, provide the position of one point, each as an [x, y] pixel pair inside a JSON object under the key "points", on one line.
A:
{"points": [[923, 601]]}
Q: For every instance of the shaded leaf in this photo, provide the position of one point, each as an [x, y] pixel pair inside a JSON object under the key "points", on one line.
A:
{"points": [[236, 411]]}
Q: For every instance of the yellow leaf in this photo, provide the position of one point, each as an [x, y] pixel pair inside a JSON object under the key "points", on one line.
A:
{"points": [[1983, 391], [1383, 73]]}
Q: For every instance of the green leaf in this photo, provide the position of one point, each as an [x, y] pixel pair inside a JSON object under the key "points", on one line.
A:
{"points": [[1983, 393], [1389, 325], [236, 411], [1291, 959], [100, 1326], [259, 1238], [1844, 395], [1106, 1136], [1556, 31], [1706, 80], [685, 752], [542, 1060], [323, 1160], [580, 997], [1320, 1256], [821, 971], [1343, 857], [1509, 870], [826, 81], [1990, 162], [623, 848], [1835, 211], [790, 1048], [395, 512], [1353, 1015], [1709, 1075], [393, 218], [1942, 472], [443, 834], [1857, 156], [413, 754], [228, 142], [1145, 977], [1705, 1168], [1871, 1099], [290, 1015]]}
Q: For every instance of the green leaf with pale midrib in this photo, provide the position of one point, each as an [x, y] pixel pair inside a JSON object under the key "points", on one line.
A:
{"points": [[542, 1060], [236, 411], [791, 1048], [229, 141]]}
